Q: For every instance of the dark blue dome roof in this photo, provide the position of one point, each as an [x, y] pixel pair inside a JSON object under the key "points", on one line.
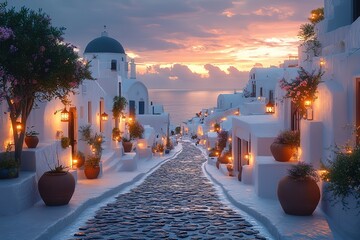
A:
{"points": [[104, 44]]}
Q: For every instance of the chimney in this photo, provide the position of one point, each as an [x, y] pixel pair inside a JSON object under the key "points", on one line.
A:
{"points": [[132, 69]]}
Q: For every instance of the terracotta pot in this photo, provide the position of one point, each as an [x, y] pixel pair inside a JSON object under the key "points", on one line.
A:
{"points": [[91, 172], [56, 188], [31, 141], [282, 152], [127, 146], [298, 197]]}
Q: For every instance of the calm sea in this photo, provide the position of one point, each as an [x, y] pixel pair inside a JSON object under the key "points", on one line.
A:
{"points": [[183, 104]]}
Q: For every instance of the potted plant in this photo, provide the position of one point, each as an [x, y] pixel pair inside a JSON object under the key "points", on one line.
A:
{"points": [[31, 138], [65, 142], [56, 186], [127, 144], [136, 130], [285, 145], [342, 177], [92, 166], [116, 134], [298, 192], [9, 167], [160, 148], [230, 168]]}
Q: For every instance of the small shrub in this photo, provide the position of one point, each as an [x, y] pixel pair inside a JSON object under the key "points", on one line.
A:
{"points": [[289, 137], [302, 171], [65, 142]]}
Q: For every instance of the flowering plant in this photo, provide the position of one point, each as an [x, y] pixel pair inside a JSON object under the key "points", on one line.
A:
{"points": [[304, 87]]}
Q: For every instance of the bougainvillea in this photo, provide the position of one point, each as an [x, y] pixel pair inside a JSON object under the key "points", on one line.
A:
{"points": [[304, 87], [35, 64]]}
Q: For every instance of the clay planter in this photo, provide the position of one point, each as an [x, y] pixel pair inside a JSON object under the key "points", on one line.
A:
{"points": [[31, 141], [282, 152], [56, 188], [127, 146], [298, 197], [91, 172]]}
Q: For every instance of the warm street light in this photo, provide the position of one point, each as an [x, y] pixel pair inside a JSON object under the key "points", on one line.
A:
{"points": [[270, 108], [104, 116]]}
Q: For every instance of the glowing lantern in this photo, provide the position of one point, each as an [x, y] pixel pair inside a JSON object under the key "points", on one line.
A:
{"points": [[19, 126], [307, 103], [104, 116], [74, 163], [322, 62], [64, 115], [270, 108]]}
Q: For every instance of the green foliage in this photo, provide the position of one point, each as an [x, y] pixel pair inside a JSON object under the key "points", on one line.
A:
{"points": [[222, 140], [304, 87], [119, 104], [308, 35], [302, 171], [65, 142], [217, 127], [7, 160], [194, 136], [36, 64], [343, 176], [289, 137], [92, 161], [317, 15], [116, 134], [178, 130], [95, 140], [136, 130]]}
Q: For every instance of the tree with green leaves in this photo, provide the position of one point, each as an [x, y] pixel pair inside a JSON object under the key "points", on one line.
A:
{"points": [[308, 35], [119, 105], [36, 65]]}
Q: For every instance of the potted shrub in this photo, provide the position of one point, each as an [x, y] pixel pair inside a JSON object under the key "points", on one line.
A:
{"points": [[56, 186], [116, 134], [230, 168], [127, 144], [65, 142], [31, 138], [298, 192], [92, 166], [136, 130], [285, 145], [342, 177], [9, 167]]}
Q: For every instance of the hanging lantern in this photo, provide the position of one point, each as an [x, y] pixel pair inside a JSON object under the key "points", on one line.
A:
{"points": [[104, 116], [307, 103], [65, 115], [270, 108]]}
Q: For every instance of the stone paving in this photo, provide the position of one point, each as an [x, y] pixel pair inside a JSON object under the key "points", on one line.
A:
{"points": [[175, 202]]}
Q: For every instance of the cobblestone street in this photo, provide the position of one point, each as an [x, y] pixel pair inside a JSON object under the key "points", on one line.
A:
{"points": [[176, 201]]}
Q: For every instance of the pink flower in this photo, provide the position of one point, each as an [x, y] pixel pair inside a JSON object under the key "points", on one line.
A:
{"points": [[72, 84], [6, 33]]}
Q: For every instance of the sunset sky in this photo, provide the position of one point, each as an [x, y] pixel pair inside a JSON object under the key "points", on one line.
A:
{"points": [[198, 44]]}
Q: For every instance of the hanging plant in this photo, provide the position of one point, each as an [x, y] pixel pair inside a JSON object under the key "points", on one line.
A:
{"points": [[304, 87]]}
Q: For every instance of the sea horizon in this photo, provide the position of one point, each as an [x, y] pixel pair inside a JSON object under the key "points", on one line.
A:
{"points": [[183, 104]]}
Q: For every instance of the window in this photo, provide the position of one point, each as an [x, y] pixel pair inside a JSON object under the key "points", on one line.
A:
{"points": [[141, 107], [261, 92], [132, 108], [113, 65], [271, 96], [253, 92], [89, 113], [119, 89], [356, 9]]}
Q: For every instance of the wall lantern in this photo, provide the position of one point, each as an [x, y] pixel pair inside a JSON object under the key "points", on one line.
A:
{"points": [[322, 62], [270, 108], [19, 126], [74, 163], [309, 109], [64, 115], [104, 116]]}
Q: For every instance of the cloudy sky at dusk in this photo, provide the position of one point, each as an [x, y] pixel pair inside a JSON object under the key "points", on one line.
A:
{"points": [[187, 43]]}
